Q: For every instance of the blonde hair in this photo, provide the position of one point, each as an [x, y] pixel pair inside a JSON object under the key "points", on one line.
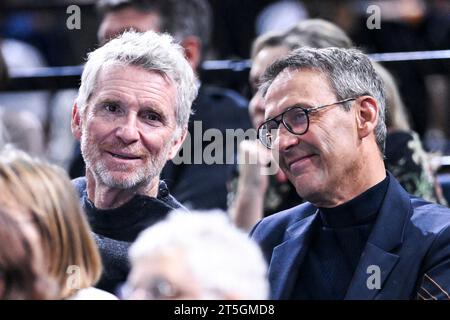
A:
{"points": [[44, 191]]}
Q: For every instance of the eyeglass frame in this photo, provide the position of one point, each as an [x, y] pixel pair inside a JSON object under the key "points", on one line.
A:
{"points": [[307, 112], [159, 289]]}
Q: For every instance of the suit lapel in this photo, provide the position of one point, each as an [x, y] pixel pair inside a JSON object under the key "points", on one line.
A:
{"points": [[387, 235], [374, 262], [288, 256]]}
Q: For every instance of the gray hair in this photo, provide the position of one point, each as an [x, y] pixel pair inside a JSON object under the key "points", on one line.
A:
{"points": [[180, 18], [150, 51], [317, 33], [350, 74], [221, 257], [314, 33], [396, 114], [268, 39]]}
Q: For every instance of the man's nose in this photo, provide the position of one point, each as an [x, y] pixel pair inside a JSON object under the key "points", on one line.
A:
{"points": [[286, 139], [128, 131]]}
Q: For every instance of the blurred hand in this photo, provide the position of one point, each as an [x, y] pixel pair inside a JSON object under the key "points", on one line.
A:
{"points": [[252, 158]]}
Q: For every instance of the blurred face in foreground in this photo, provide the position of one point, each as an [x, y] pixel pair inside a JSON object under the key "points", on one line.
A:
{"points": [[162, 276]]}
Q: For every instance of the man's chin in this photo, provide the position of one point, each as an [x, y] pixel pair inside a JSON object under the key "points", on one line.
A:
{"points": [[121, 180], [307, 187]]}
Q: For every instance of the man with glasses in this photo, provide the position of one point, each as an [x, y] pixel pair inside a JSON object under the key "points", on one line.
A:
{"points": [[360, 235]]}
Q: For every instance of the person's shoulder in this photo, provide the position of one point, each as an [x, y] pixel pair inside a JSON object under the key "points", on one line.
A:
{"points": [[431, 231], [223, 95], [80, 185], [93, 294], [430, 217]]}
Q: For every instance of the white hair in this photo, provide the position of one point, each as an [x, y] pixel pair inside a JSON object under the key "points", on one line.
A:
{"points": [[150, 51], [221, 257]]}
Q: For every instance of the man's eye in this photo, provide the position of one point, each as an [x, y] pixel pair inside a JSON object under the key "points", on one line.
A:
{"points": [[151, 116], [111, 108]]}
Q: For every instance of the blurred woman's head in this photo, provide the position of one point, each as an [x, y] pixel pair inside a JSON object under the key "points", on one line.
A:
{"points": [[317, 33], [396, 114], [42, 193], [265, 50], [269, 47], [22, 274]]}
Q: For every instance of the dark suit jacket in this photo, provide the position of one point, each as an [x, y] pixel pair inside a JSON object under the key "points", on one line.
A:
{"points": [[410, 243]]}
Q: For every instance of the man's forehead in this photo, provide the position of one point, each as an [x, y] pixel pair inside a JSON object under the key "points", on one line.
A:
{"points": [[284, 82], [112, 78], [289, 75], [292, 86]]}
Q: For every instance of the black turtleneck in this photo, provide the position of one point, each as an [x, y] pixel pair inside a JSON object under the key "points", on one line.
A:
{"points": [[116, 229], [336, 245]]}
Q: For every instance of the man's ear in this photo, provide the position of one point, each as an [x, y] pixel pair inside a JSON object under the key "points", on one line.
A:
{"points": [[192, 50], [366, 115], [177, 142], [76, 122]]}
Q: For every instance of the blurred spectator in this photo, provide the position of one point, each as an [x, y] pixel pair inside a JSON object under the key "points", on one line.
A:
{"points": [[190, 23], [22, 273], [21, 128], [317, 33], [42, 193], [252, 194], [19, 55], [415, 25], [3, 80], [3, 72], [196, 256], [404, 155], [280, 16], [61, 143]]}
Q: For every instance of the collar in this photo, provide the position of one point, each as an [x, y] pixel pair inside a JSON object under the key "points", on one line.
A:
{"points": [[360, 210]]}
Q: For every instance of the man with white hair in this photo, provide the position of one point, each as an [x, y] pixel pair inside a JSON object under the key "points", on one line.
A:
{"points": [[195, 256], [131, 117], [189, 22]]}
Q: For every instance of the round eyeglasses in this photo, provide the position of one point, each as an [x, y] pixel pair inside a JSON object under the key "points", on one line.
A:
{"points": [[158, 289], [295, 119]]}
